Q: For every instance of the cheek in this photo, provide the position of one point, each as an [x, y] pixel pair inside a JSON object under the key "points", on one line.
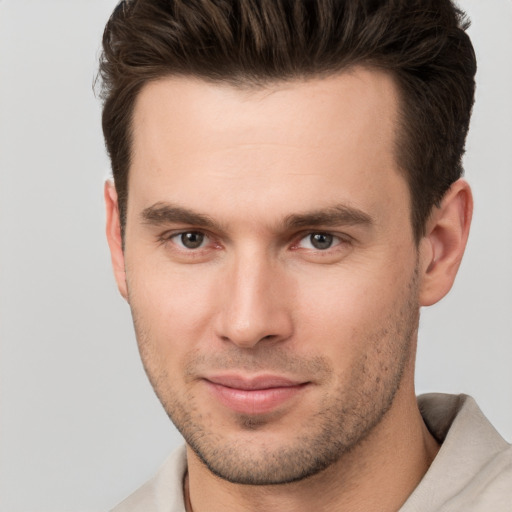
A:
{"points": [[173, 306], [344, 299], [347, 313]]}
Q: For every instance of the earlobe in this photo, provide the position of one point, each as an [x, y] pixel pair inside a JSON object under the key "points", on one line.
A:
{"points": [[443, 245], [114, 238]]}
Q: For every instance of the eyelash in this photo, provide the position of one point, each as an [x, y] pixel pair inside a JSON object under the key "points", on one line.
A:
{"points": [[169, 237], [338, 240], [335, 241]]}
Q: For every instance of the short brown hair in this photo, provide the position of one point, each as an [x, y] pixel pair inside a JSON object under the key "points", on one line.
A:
{"points": [[422, 43]]}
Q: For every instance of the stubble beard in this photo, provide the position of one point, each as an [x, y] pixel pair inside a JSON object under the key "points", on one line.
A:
{"points": [[342, 423]]}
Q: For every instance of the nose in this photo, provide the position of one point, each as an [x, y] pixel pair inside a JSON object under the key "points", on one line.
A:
{"points": [[255, 304]]}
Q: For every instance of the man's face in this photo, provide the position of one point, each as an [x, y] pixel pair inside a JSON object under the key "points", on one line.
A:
{"points": [[271, 267]]}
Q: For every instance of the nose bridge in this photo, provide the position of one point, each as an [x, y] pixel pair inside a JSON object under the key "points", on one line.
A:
{"points": [[254, 306]]}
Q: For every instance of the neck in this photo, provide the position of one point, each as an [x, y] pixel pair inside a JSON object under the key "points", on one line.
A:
{"points": [[378, 474]]}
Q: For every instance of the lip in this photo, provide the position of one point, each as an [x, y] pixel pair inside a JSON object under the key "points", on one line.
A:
{"points": [[254, 395]]}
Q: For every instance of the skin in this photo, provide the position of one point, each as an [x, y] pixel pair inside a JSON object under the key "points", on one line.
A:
{"points": [[251, 175]]}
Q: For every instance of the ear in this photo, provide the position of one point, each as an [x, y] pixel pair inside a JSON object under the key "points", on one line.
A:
{"points": [[114, 238], [443, 245]]}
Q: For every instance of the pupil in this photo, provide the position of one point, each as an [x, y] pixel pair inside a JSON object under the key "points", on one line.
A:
{"points": [[321, 240], [192, 240]]}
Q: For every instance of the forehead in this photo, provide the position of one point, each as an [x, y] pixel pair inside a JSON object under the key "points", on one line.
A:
{"points": [[356, 100], [325, 139]]}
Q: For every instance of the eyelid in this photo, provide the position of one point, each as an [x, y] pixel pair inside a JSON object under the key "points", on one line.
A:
{"points": [[169, 235], [341, 238]]}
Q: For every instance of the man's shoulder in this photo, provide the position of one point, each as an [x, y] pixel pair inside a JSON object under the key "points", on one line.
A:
{"points": [[163, 492], [473, 469]]}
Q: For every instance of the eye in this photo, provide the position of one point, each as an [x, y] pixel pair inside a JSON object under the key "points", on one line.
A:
{"points": [[319, 241], [190, 240]]}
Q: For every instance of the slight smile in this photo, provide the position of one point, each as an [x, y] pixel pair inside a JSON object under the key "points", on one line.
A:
{"points": [[257, 395]]}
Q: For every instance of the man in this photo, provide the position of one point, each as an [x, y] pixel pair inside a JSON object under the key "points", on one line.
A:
{"points": [[287, 195]]}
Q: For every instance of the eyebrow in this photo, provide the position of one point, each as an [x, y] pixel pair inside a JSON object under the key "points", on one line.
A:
{"points": [[165, 213], [339, 215], [162, 213]]}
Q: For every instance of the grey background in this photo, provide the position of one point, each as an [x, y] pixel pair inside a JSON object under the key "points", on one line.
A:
{"points": [[79, 425]]}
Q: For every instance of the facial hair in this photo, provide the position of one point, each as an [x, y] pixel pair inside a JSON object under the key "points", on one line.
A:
{"points": [[344, 418]]}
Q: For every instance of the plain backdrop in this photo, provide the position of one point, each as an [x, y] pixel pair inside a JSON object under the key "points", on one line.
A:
{"points": [[80, 427]]}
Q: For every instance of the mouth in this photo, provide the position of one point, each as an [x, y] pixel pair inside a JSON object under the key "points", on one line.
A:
{"points": [[254, 395]]}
